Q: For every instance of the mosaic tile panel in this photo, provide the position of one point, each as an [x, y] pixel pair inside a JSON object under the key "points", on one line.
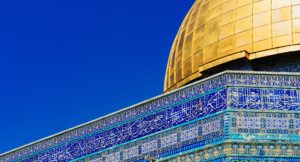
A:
{"points": [[264, 98], [249, 91], [243, 152], [164, 119], [167, 142], [265, 126], [124, 115]]}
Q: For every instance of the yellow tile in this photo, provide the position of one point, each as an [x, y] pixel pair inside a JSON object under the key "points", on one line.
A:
{"points": [[187, 53], [224, 54], [261, 19], [190, 27], [226, 31], [282, 40], [199, 32], [211, 38], [178, 58], [187, 67], [296, 38], [280, 3], [248, 48], [185, 23], [188, 56], [228, 6], [243, 38], [197, 5], [243, 2], [243, 24], [227, 18], [194, 15], [201, 20], [197, 60], [178, 74], [181, 40], [171, 79], [262, 33], [262, 45], [281, 14], [226, 44], [282, 28], [211, 26], [213, 13], [214, 3], [198, 45], [296, 25], [205, 2], [261, 6], [296, 11], [188, 41], [210, 52], [244, 11]]}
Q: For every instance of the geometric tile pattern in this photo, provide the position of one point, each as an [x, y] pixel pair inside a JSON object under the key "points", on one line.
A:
{"points": [[152, 123], [243, 152], [107, 122], [231, 106], [265, 125], [166, 143]]}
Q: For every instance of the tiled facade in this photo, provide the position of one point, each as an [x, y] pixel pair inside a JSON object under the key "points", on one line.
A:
{"points": [[244, 152], [222, 118]]}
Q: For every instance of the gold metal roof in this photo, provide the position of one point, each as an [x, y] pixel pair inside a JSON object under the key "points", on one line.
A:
{"points": [[218, 31]]}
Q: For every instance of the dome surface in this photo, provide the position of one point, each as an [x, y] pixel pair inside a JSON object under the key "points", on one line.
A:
{"points": [[215, 32]]}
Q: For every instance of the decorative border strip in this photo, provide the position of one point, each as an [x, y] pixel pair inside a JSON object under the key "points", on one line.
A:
{"points": [[187, 111], [254, 126], [199, 133], [228, 78], [122, 115], [266, 98], [283, 137], [241, 152]]}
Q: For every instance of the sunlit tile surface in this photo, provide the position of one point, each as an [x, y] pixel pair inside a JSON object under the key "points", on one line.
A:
{"points": [[215, 31]]}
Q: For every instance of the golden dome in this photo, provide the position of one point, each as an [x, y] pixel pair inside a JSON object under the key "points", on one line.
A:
{"points": [[218, 31]]}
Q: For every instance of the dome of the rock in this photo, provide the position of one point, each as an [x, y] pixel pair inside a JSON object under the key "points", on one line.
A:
{"points": [[243, 57], [216, 32]]}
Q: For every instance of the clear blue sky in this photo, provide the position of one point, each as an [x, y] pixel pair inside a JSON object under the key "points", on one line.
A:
{"points": [[66, 62]]}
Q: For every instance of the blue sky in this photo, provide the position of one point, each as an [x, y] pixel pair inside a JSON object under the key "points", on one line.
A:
{"points": [[66, 62]]}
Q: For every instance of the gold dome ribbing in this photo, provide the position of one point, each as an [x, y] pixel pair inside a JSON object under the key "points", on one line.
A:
{"points": [[218, 31]]}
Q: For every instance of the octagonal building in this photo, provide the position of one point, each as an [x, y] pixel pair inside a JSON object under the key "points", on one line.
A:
{"points": [[231, 94]]}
